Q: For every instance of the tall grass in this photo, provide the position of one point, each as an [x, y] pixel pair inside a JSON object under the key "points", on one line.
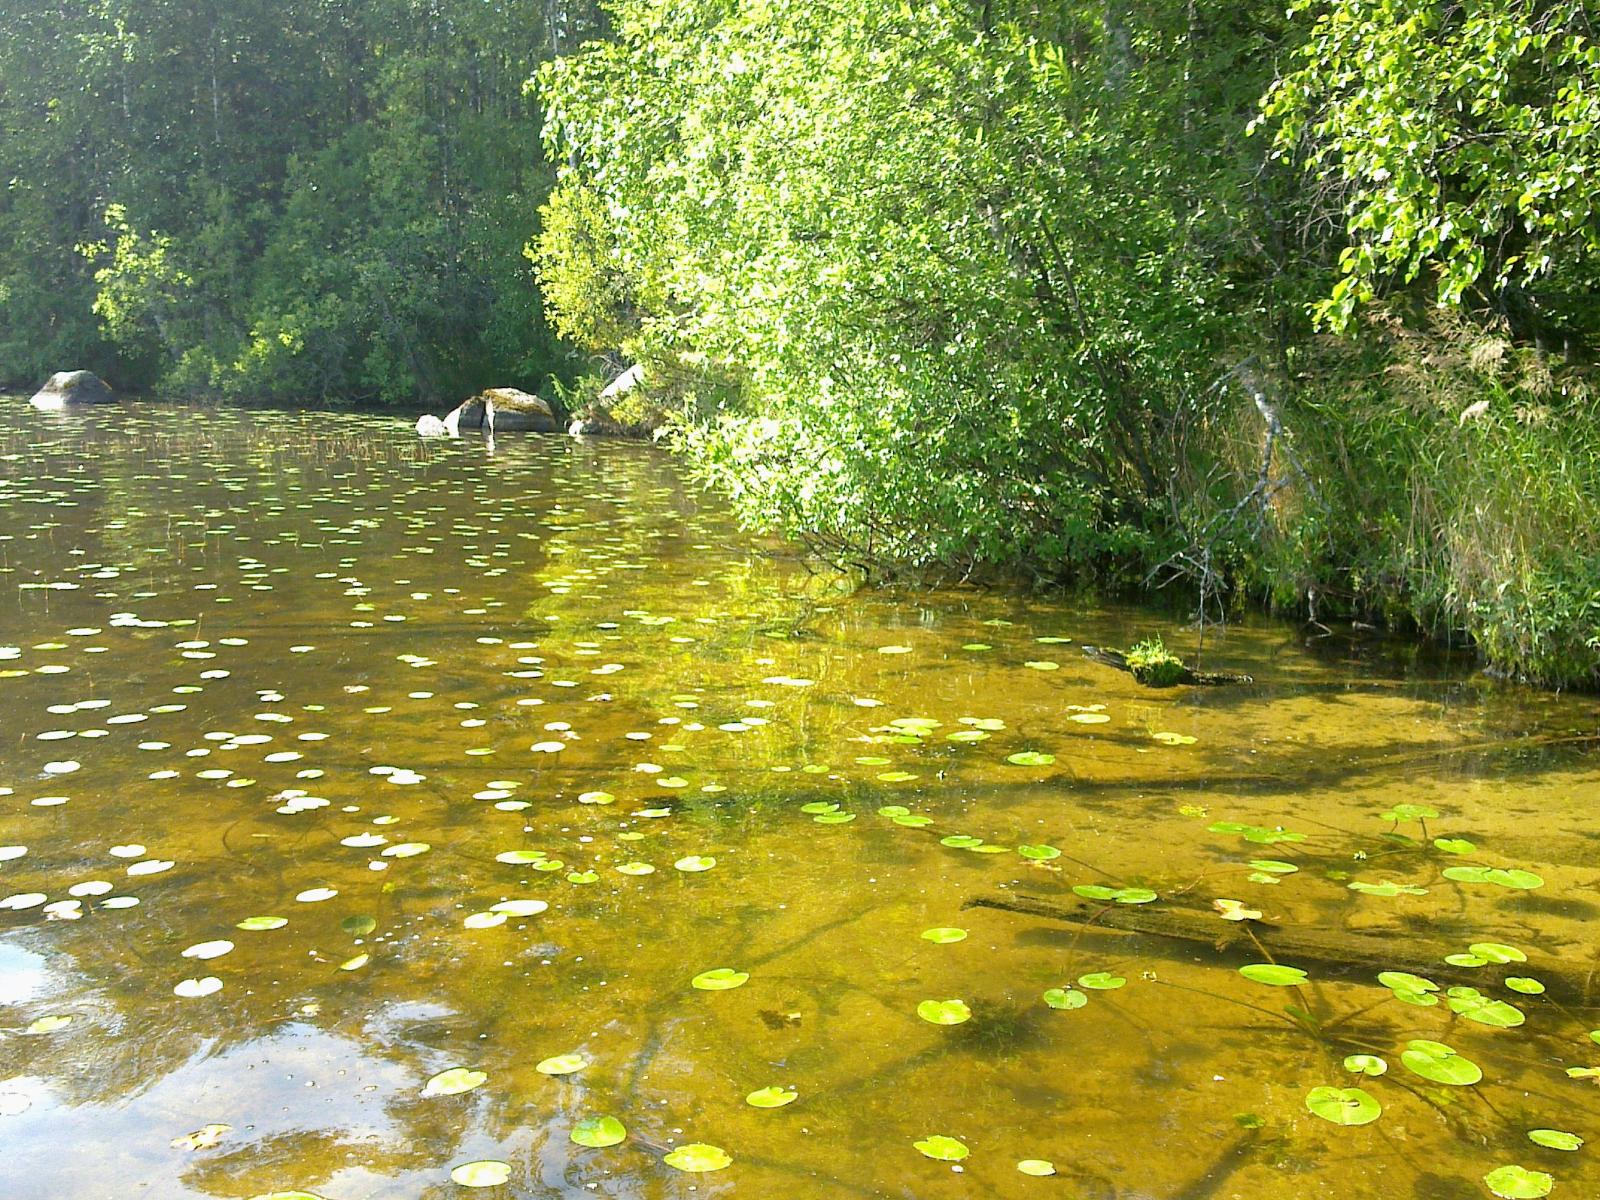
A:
{"points": [[1454, 484]]}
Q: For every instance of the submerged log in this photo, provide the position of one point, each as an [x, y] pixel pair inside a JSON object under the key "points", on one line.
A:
{"points": [[1108, 657], [1357, 957]]}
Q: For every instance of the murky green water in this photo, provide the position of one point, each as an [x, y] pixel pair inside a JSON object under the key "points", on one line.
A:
{"points": [[287, 667]]}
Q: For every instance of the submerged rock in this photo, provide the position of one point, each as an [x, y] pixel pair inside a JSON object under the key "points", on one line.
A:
{"points": [[71, 388]]}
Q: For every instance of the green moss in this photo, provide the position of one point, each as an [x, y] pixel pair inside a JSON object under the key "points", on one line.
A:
{"points": [[1154, 665]]}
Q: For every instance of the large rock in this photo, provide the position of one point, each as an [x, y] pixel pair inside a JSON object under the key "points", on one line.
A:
{"points": [[68, 389], [513, 411]]}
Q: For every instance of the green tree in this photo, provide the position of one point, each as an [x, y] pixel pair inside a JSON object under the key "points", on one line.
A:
{"points": [[1460, 142]]}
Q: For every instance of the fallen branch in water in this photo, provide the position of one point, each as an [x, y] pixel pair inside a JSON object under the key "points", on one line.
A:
{"points": [[1357, 957]]}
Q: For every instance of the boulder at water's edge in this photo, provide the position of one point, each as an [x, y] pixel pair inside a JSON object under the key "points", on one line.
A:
{"points": [[514, 411], [68, 389]]}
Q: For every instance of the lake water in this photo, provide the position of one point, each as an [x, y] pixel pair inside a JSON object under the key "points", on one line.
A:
{"points": [[352, 690]]}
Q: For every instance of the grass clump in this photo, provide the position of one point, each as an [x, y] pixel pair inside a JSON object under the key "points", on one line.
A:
{"points": [[1153, 665]]}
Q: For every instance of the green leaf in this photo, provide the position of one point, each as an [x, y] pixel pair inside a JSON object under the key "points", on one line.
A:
{"points": [[1095, 891], [944, 1012], [259, 924], [1101, 981], [944, 1149], [1515, 878], [1273, 975], [1365, 1064], [1474, 1006], [1555, 1139], [1273, 866], [484, 1173], [454, 1081], [697, 1157], [1343, 1106], [771, 1097], [598, 1132], [1405, 981], [1066, 999], [1438, 1063], [719, 979], [1030, 758], [561, 1064], [1512, 1182], [1497, 952]]}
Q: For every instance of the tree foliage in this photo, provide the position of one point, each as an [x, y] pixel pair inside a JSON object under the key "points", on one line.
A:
{"points": [[303, 200], [1461, 141], [969, 303]]}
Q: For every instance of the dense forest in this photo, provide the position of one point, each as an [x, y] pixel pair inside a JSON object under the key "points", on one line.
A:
{"points": [[1293, 307], [292, 201]]}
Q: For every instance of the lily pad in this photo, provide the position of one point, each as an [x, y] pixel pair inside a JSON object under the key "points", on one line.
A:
{"points": [[1514, 878], [1555, 1139], [1439, 1063], [719, 979], [1512, 1182], [771, 1097], [1101, 981], [454, 1081], [484, 1173], [1475, 1006], [1037, 1166], [944, 1012], [1273, 975], [1497, 952], [519, 857], [520, 908], [941, 1148], [1365, 1064], [1030, 758], [1343, 1106], [1273, 866], [944, 935], [1066, 999], [598, 1132], [562, 1064], [1095, 891], [697, 1157]]}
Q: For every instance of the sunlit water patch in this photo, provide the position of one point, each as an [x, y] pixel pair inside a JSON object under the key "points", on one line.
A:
{"points": [[389, 819]]}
